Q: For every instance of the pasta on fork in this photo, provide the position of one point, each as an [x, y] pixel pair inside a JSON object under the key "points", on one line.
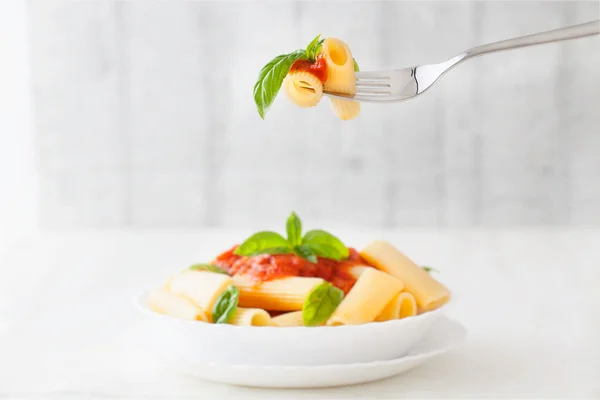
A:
{"points": [[340, 70], [304, 74], [302, 280]]}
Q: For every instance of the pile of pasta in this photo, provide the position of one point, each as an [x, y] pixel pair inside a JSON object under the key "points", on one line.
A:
{"points": [[391, 287], [304, 86]]}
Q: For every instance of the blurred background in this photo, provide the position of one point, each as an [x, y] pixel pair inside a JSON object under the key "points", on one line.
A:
{"points": [[140, 115]]}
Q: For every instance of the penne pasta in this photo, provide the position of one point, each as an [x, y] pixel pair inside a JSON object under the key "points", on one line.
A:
{"points": [[402, 305], [167, 303], [251, 317], [285, 294], [340, 77], [303, 88], [429, 293], [365, 301], [289, 319], [203, 288]]}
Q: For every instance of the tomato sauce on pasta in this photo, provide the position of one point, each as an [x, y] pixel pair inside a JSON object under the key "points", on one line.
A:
{"points": [[266, 267], [317, 69]]}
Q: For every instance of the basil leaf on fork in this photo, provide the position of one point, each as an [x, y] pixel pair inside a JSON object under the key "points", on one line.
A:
{"points": [[271, 77]]}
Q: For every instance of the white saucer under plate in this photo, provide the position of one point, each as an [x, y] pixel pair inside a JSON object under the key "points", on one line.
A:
{"points": [[443, 337]]}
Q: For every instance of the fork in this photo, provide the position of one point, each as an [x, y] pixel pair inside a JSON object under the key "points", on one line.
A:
{"points": [[402, 84]]}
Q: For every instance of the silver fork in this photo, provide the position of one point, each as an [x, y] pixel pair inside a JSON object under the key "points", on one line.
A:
{"points": [[402, 84]]}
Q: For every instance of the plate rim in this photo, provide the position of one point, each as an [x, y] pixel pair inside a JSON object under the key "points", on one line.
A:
{"points": [[459, 339]]}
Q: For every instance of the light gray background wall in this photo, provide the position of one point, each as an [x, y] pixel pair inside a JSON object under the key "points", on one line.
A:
{"points": [[144, 117]]}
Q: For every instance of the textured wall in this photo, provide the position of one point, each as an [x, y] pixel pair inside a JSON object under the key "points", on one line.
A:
{"points": [[145, 118]]}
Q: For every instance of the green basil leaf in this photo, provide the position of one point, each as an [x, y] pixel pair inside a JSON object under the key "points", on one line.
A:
{"points": [[261, 242], [226, 305], [355, 65], [430, 269], [306, 252], [319, 47], [311, 49], [270, 79], [272, 250], [209, 268], [321, 303], [324, 244], [325, 251], [294, 229]]}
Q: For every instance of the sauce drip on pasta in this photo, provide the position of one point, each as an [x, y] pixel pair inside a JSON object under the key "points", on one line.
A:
{"points": [[266, 267], [318, 69]]}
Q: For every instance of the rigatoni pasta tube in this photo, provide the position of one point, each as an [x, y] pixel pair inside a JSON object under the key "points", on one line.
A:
{"points": [[165, 302], [429, 293], [408, 305], [251, 317], [402, 305], [340, 77], [357, 270], [289, 319], [303, 88], [202, 287], [285, 294], [370, 294]]}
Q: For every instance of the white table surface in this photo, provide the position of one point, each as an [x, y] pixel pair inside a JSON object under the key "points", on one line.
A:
{"points": [[529, 298]]}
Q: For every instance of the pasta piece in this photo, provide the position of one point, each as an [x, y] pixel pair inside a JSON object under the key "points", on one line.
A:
{"points": [[408, 305], [251, 317], [429, 293], [203, 288], [357, 270], [165, 302], [340, 77], [285, 294], [303, 88], [289, 319], [368, 297], [401, 306], [345, 109]]}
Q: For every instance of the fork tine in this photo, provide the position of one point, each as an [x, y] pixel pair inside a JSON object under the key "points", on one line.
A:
{"points": [[372, 90], [368, 98], [367, 84], [371, 75], [364, 97], [373, 98]]}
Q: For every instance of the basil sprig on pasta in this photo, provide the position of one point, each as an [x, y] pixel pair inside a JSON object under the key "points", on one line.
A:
{"points": [[314, 48], [314, 243], [430, 269], [321, 304], [271, 76], [226, 305]]}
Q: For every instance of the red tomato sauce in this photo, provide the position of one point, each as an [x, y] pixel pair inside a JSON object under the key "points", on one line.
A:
{"points": [[266, 267], [318, 68]]}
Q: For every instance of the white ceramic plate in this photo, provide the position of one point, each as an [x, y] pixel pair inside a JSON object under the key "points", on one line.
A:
{"points": [[446, 335], [199, 342]]}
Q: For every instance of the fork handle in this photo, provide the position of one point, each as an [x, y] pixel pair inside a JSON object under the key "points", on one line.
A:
{"points": [[571, 32]]}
